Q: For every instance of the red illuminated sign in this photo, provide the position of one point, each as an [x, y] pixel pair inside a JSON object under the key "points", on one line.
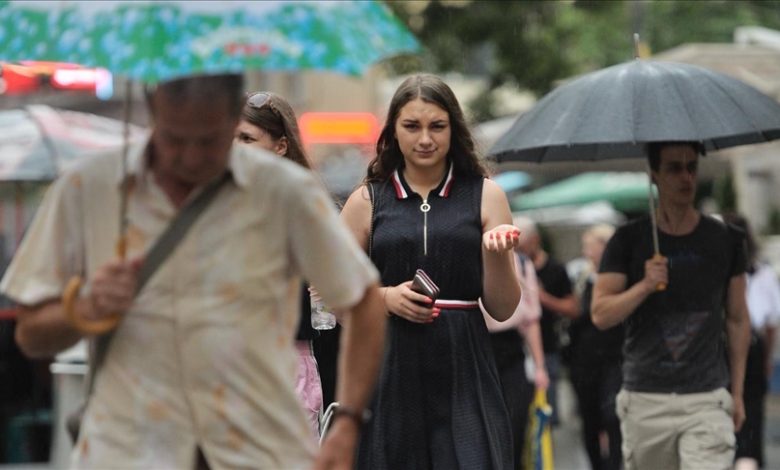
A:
{"points": [[29, 76], [78, 79], [17, 80], [338, 128]]}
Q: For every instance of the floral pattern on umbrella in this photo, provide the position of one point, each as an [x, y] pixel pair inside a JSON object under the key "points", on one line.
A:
{"points": [[157, 41]]}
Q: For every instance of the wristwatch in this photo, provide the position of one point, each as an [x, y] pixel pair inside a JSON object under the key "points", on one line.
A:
{"points": [[360, 417]]}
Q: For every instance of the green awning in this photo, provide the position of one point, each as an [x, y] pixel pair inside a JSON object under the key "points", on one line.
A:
{"points": [[626, 191]]}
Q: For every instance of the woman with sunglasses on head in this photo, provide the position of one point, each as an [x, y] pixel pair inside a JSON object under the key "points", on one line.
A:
{"points": [[268, 122], [427, 204]]}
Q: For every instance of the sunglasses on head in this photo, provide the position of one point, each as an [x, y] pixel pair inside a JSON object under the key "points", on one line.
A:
{"points": [[259, 99], [262, 99]]}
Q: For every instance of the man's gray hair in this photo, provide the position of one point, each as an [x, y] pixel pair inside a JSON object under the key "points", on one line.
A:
{"points": [[207, 88]]}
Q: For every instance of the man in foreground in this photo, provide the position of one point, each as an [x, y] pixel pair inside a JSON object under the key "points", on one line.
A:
{"points": [[200, 370]]}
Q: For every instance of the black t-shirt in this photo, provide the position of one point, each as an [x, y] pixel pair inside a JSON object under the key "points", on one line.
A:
{"points": [[553, 277], [591, 346], [675, 339]]}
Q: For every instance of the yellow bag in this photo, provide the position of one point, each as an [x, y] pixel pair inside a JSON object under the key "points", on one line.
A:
{"points": [[538, 451]]}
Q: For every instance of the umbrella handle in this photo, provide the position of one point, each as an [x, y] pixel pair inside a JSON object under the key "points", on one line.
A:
{"points": [[83, 325], [71, 293], [661, 286]]}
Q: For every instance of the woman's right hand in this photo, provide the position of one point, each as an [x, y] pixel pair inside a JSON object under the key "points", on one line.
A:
{"points": [[402, 301]]}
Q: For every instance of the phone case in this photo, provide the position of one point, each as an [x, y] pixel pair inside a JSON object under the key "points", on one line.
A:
{"points": [[423, 284]]}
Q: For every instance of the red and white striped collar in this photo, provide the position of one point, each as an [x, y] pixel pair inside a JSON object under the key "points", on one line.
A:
{"points": [[402, 189]]}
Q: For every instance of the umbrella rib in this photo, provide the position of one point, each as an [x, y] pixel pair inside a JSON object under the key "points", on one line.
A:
{"points": [[634, 108]]}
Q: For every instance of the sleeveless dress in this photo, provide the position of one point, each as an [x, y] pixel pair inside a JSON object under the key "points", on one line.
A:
{"points": [[438, 402]]}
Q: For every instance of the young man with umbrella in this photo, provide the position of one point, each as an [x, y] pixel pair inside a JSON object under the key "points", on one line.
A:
{"points": [[675, 409], [200, 370]]}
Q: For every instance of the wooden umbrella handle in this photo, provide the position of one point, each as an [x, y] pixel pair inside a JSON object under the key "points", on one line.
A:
{"points": [[661, 286], [89, 326]]}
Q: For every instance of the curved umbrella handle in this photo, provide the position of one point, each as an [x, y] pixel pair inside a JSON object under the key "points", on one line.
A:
{"points": [[84, 325], [88, 326]]}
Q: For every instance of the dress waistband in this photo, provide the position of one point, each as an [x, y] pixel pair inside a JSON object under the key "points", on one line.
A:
{"points": [[456, 304]]}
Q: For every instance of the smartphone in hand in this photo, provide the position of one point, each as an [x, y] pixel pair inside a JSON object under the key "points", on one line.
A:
{"points": [[423, 284]]}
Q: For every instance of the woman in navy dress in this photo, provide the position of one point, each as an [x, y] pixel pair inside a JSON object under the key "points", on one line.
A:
{"points": [[426, 204]]}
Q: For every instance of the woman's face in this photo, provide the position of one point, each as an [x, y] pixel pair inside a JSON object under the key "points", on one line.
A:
{"points": [[257, 137], [423, 133]]}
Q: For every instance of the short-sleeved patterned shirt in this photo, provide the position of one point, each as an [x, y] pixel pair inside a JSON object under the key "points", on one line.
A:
{"points": [[205, 356]]}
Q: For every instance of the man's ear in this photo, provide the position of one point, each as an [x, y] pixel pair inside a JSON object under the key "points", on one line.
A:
{"points": [[281, 146]]}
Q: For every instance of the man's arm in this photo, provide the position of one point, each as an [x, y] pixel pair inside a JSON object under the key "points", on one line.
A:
{"points": [[565, 306], [360, 355], [738, 331], [612, 302], [42, 330]]}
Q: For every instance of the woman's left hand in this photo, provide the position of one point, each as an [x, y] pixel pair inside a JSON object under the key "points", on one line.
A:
{"points": [[504, 237]]}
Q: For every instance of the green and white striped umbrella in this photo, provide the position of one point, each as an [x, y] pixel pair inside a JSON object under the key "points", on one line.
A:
{"points": [[153, 41]]}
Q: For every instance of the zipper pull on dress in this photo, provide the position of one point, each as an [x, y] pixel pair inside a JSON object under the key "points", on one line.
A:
{"points": [[425, 208]]}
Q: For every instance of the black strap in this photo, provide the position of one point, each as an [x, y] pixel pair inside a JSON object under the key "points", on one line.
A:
{"points": [[162, 248]]}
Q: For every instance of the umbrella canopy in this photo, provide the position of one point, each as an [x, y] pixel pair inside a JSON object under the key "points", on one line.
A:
{"points": [[574, 215], [38, 142], [625, 191], [154, 41], [614, 112]]}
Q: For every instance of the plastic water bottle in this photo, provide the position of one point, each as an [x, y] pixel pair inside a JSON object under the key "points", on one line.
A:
{"points": [[322, 317]]}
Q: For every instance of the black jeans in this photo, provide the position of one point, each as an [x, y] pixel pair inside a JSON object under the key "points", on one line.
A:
{"points": [[596, 385]]}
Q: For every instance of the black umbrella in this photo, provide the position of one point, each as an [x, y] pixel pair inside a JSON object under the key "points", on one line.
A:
{"points": [[614, 112]]}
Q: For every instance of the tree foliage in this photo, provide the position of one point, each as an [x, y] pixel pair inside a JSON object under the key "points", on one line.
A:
{"points": [[533, 44]]}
